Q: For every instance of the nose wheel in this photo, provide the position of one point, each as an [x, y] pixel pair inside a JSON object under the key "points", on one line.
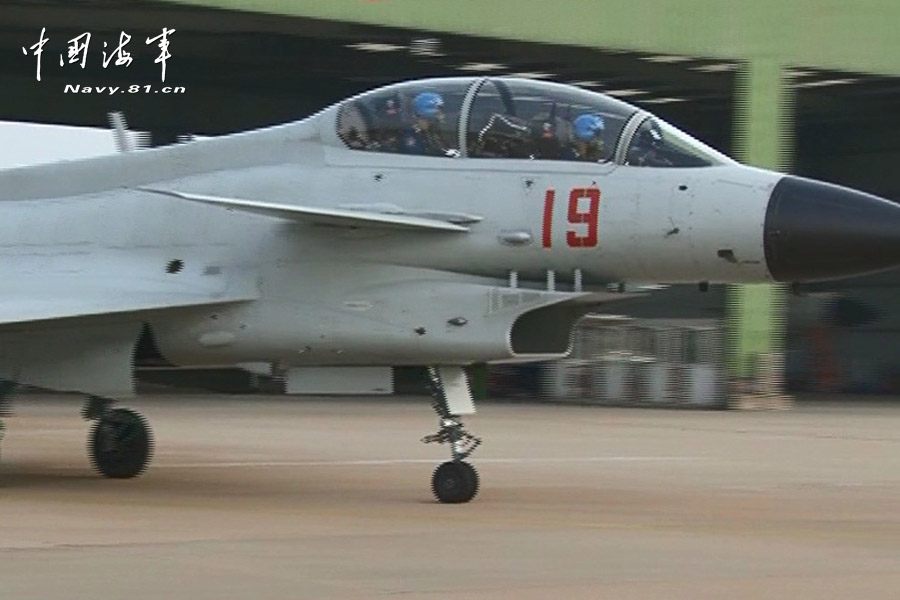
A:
{"points": [[120, 443], [455, 481]]}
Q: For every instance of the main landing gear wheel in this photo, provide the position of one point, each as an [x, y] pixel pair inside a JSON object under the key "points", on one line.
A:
{"points": [[7, 390], [454, 482], [120, 444]]}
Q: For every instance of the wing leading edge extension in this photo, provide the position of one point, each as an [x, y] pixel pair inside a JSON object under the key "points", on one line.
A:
{"points": [[338, 217]]}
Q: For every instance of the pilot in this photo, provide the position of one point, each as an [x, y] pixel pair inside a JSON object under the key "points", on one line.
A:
{"points": [[550, 134], [645, 150], [587, 143], [424, 136], [546, 138], [388, 126]]}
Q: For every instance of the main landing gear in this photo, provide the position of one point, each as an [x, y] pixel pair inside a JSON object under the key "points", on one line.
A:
{"points": [[120, 443], [454, 481], [7, 390]]}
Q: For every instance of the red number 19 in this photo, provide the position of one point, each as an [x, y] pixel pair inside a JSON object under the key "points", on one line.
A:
{"points": [[576, 215]]}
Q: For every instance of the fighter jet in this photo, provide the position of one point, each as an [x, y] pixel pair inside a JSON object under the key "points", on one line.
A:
{"points": [[438, 222]]}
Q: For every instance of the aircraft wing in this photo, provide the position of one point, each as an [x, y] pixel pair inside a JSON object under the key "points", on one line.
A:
{"points": [[322, 216], [62, 296]]}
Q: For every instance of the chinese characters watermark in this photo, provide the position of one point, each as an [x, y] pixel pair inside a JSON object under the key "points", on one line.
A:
{"points": [[79, 47], [38, 49], [122, 56], [163, 48]]}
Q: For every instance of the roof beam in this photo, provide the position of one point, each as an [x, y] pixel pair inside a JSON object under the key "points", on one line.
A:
{"points": [[847, 35]]}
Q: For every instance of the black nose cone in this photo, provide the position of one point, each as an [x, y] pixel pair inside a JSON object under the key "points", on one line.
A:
{"points": [[816, 231]]}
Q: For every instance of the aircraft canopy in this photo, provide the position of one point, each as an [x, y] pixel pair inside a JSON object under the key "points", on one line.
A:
{"points": [[514, 118]]}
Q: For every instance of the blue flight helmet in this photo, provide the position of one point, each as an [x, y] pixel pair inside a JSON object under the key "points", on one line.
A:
{"points": [[428, 104], [588, 126]]}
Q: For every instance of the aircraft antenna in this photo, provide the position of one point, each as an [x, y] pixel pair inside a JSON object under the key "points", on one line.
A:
{"points": [[126, 141], [120, 131]]}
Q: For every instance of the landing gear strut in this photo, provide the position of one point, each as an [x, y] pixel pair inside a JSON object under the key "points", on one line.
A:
{"points": [[454, 481], [7, 390], [120, 443]]}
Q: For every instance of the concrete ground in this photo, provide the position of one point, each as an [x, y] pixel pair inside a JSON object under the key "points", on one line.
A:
{"points": [[259, 497]]}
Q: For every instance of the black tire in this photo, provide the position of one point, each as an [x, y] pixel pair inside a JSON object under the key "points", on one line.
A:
{"points": [[454, 482], [120, 444]]}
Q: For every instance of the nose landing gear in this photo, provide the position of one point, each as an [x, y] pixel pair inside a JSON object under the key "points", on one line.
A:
{"points": [[455, 481]]}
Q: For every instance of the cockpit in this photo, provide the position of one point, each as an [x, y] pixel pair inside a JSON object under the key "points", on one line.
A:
{"points": [[508, 118]]}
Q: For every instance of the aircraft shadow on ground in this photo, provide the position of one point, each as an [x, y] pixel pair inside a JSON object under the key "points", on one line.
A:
{"points": [[311, 483]]}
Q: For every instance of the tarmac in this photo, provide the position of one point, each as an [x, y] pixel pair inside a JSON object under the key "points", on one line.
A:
{"points": [[270, 497]]}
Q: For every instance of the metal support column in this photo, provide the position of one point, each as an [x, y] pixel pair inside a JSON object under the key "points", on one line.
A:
{"points": [[756, 315]]}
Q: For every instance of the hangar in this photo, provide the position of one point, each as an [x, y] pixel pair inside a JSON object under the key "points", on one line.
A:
{"points": [[820, 102]]}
